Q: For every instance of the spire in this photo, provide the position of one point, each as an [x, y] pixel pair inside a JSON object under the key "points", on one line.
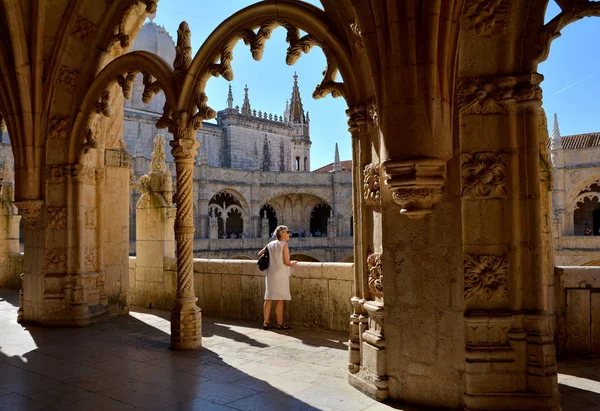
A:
{"points": [[246, 106], [556, 139], [286, 113], [230, 99], [337, 165], [295, 109]]}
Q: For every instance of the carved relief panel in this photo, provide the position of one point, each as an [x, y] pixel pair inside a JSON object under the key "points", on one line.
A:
{"points": [[485, 277], [375, 272], [483, 175]]}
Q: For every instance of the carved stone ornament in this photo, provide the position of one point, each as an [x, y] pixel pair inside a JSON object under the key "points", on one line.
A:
{"points": [[68, 79], [371, 186], [56, 217], [483, 175], [117, 158], [91, 219], [56, 260], [83, 30], [479, 95], [29, 210], [485, 277], [158, 163], [58, 127], [375, 268], [486, 18], [90, 258], [357, 40], [416, 184]]}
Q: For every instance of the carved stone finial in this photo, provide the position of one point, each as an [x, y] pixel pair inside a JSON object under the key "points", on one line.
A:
{"points": [[158, 155], [183, 50]]}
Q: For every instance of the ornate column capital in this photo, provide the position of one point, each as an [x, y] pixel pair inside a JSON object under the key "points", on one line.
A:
{"points": [[184, 150], [416, 183]]}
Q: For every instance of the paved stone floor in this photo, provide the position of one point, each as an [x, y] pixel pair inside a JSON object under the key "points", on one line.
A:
{"points": [[125, 364]]}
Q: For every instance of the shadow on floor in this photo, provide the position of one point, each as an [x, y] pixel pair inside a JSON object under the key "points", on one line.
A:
{"points": [[120, 365]]}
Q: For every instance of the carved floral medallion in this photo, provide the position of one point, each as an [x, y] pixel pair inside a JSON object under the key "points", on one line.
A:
{"points": [[485, 277], [483, 175]]}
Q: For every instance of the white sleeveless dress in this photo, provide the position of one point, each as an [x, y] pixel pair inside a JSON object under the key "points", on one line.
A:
{"points": [[278, 274]]}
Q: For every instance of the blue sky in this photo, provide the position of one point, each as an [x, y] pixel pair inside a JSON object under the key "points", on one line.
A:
{"points": [[269, 80], [571, 83], [571, 86]]}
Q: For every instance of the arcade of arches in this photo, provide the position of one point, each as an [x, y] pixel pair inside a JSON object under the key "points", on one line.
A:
{"points": [[453, 272]]}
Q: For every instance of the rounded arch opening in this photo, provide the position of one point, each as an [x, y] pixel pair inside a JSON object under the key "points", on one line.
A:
{"points": [[268, 211], [319, 217]]}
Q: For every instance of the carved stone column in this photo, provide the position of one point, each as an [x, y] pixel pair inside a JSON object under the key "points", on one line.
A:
{"points": [[186, 322]]}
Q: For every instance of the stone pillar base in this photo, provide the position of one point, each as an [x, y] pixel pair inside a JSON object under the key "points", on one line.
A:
{"points": [[363, 381], [186, 325]]}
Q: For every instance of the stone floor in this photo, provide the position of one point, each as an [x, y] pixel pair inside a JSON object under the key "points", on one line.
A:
{"points": [[125, 364]]}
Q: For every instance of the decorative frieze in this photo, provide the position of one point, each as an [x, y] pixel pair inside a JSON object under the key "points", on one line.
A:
{"points": [[375, 269], [371, 186], [56, 260], [486, 18], [416, 184], [83, 30], [57, 173], [481, 95], [56, 217], [486, 331], [68, 79], [483, 175], [485, 277]]}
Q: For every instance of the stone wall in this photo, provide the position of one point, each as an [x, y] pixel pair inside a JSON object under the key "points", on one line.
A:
{"points": [[577, 310], [235, 289]]}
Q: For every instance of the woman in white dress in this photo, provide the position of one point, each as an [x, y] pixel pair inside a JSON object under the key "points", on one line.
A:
{"points": [[278, 277]]}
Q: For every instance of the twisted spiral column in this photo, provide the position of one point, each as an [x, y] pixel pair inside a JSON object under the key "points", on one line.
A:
{"points": [[186, 322]]}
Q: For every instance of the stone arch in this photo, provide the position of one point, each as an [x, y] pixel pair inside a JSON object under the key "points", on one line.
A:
{"points": [[216, 53], [120, 71], [226, 204], [580, 188]]}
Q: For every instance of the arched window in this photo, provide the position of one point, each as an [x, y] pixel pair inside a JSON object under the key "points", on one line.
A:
{"points": [[305, 163], [229, 220], [297, 163], [318, 220], [271, 216]]}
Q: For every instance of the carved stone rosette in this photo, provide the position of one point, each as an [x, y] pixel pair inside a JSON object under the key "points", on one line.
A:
{"points": [[371, 186], [416, 184], [483, 175], [485, 277]]}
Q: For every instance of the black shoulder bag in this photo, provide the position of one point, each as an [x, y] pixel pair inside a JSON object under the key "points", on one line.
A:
{"points": [[263, 261]]}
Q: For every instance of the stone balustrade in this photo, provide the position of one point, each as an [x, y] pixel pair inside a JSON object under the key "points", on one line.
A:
{"points": [[235, 289], [577, 310], [577, 250]]}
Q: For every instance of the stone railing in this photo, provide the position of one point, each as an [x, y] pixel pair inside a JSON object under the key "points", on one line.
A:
{"points": [[577, 310], [235, 289], [589, 242], [10, 271]]}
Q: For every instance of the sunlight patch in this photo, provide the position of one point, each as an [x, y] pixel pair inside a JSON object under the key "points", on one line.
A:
{"points": [[579, 382], [153, 321]]}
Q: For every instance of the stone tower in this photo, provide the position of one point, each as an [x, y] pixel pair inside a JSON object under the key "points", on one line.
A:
{"points": [[300, 122]]}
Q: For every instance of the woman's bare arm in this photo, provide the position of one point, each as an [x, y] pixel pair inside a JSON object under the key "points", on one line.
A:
{"points": [[286, 257], [261, 252]]}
